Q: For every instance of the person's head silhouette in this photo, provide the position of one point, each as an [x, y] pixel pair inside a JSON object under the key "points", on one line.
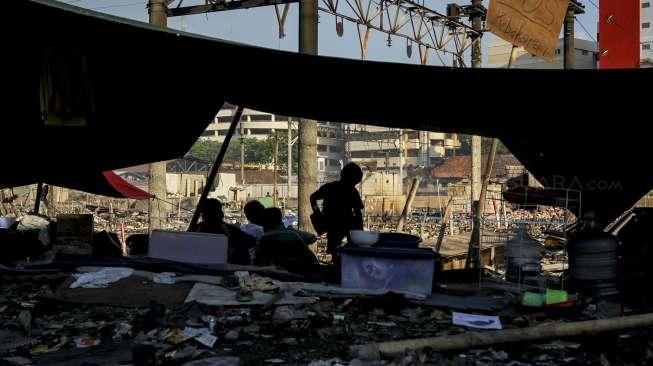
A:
{"points": [[351, 174], [253, 211], [212, 211], [271, 219]]}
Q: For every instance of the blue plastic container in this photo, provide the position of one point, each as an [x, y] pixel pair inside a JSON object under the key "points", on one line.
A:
{"points": [[398, 269], [398, 240]]}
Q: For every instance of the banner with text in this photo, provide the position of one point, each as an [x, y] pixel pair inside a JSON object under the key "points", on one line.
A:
{"points": [[532, 24]]}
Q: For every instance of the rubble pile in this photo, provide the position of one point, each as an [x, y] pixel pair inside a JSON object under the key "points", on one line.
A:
{"points": [[37, 330]]}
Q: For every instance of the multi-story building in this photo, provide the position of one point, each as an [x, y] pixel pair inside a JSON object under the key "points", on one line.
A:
{"points": [[260, 125], [381, 147], [585, 58], [647, 33]]}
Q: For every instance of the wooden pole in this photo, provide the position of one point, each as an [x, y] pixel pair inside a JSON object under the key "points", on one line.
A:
{"points": [[37, 199], [307, 173], [157, 10], [275, 159], [409, 202], [215, 168], [468, 340], [474, 251], [446, 216]]}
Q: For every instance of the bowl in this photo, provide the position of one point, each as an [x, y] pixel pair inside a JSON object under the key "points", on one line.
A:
{"points": [[363, 238]]}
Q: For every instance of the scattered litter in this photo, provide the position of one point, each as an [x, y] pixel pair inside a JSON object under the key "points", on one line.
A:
{"points": [[18, 361], [215, 361], [220, 296], [201, 335], [25, 320], [86, 342], [275, 361], [101, 278], [338, 318], [122, 330], [383, 324], [232, 335], [476, 321], [166, 278]]}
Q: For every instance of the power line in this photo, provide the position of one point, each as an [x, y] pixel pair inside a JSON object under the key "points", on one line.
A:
{"points": [[592, 2], [117, 6], [585, 29]]}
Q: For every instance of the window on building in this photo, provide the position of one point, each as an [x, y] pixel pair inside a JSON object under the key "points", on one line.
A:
{"points": [[646, 25], [646, 46], [646, 5], [413, 135], [585, 53], [412, 153], [320, 165], [321, 148], [260, 131], [225, 119], [334, 162], [437, 143], [335, 149], [208, 133], [260, 117], [558, 51]]}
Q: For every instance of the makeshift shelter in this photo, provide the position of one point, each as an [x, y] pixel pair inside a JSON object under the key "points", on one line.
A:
{"points": [[86, 92]]}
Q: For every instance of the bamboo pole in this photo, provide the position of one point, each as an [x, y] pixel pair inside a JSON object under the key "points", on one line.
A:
{"points": [[477, 339]]}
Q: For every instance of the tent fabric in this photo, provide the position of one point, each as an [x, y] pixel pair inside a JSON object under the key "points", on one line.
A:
{"points": [[126, 189], [148, 93]]}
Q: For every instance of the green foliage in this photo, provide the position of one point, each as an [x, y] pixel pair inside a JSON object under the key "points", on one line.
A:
{"points": [[486, 143], [256, 151]]}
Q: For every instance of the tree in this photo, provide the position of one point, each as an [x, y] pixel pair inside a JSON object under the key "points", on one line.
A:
{"points": [[207, 150], [486, 143], [256, 151]]}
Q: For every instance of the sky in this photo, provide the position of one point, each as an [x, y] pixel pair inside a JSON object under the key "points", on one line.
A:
{"points": [[259, 27]]}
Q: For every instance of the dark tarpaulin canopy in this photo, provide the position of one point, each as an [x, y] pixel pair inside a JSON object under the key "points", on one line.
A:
{"points": [[146, 94]]}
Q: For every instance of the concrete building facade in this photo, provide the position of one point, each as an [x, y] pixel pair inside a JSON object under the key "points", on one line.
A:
{"points": [[260, 125], [586, 56], [647, 32], [380, 146]]}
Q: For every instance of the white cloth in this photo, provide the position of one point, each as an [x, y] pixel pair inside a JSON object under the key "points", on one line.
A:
{"points": [[252, 229], [101, 278]]}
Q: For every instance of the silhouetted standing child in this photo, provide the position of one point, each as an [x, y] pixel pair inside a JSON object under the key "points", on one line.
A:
{"points": [[341, 206]]}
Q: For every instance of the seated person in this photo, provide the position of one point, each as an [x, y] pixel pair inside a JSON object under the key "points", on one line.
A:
{"points": [[253, 211], [213, 223], [283, 247]]}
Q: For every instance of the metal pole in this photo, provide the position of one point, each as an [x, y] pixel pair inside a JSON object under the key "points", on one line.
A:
{"points": [[215, 168], [289, 169], [569, 58], [401, 161], [242, 153], [475, 188], [477, 24], [307, 174], [157, 10]]}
